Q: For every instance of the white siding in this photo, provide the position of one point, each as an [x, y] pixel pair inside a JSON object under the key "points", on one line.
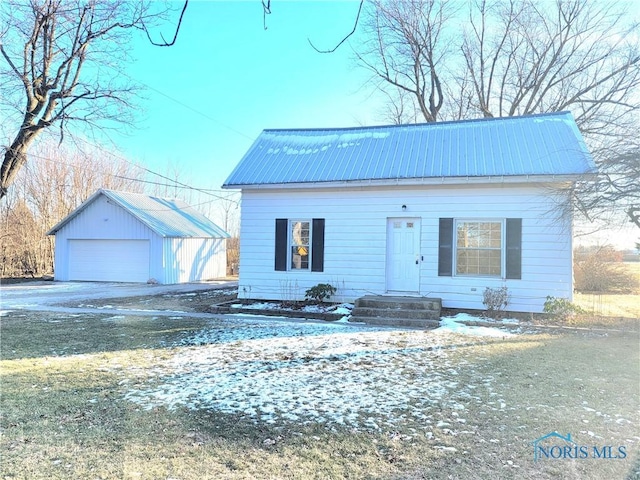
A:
{"points": [[101, 220], [192, 259], [172, 260], [355, 241]]}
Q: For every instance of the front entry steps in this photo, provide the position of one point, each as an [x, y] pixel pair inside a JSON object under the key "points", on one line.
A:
{"points": [[416, 312]]}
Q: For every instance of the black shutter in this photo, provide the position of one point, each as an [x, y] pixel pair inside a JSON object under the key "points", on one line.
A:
{"points": [[317, 245], [281, 243], [514, 248], [445, 248]]}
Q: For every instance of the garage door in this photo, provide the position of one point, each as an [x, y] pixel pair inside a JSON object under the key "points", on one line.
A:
{"points": [[109, 260]]}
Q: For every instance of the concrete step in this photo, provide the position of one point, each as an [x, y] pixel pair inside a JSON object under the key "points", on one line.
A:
{"points": [[397, 322], [415, 312], [418, 314]]}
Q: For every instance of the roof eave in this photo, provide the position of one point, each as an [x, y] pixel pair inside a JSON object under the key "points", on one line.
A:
{"points": [[467, 180]]}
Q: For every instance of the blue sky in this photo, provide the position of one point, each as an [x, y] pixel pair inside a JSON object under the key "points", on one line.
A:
{"points": [[227, 78]]}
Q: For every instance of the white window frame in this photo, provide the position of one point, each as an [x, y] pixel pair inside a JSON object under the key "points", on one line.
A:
{"points": [[503, 239], [290, 245]]}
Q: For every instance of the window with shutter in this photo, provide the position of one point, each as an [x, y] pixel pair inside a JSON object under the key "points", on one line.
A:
{"points": [[299, 244], [480, 248]]}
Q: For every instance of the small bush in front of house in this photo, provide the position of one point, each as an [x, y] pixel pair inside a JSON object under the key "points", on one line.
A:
{"points": [[319, 293], [561, 308], [495, 300]]}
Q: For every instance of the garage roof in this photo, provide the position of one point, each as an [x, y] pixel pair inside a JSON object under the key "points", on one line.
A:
{"points": [[166, 217], [534, 145]]}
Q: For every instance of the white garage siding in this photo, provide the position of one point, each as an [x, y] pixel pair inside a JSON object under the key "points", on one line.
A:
{"points": [[193, 259], [103, 240], [109, 260]]}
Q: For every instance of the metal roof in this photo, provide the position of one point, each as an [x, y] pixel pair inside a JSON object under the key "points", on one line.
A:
{"points": [[166, 217], [546, 144]]}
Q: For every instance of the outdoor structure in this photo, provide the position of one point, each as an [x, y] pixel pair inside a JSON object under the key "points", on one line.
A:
{"points": [[441, 210], [129, 237]]}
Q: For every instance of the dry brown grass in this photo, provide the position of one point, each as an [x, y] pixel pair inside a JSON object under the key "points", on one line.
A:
{"points": [[613, 306], [64, 416]]}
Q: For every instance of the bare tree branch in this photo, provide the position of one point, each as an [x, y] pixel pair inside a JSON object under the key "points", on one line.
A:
{"points": [[175, 34], [54, 52], [520, 57], [346, 37]]}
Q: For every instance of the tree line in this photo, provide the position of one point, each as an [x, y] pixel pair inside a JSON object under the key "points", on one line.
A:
{"points": [[57, 180]]}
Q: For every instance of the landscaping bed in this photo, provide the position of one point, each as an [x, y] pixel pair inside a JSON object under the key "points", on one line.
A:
{"points": [[328, 312]]}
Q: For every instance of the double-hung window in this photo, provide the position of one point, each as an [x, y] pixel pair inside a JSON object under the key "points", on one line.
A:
{"points": [[299, 244], [479, 248]]}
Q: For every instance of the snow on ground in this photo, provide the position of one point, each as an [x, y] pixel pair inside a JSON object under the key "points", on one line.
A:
{"points": [[343, 308], [330, 373], [455, 324], [28, 295]]}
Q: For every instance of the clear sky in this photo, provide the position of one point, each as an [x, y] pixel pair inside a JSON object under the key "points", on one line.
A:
{"points": [[227, 78]]}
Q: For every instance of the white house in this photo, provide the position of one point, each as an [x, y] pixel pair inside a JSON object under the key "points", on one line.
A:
{"points": [[439, 210], [129, 237]]}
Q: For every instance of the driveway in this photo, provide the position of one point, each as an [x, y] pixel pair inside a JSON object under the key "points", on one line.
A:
{"points": [[39, 295]]}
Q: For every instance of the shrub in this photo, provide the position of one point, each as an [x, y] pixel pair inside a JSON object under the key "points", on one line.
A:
{"points": [[561, 308], [601, 270], [320, 292], [496, 300]]}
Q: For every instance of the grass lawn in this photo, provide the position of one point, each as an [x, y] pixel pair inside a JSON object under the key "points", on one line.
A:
{"points": [[612, 306], [103, 396]]}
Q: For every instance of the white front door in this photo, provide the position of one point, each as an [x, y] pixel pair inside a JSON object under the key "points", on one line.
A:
{"points": [[403, 255]]}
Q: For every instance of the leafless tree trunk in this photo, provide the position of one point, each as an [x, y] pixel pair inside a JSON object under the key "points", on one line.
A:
{"points": [[59, 67], [406, 48]]}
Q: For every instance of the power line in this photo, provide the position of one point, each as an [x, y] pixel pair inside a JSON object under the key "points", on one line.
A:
{"points": [[188, 107], [175, 184]]}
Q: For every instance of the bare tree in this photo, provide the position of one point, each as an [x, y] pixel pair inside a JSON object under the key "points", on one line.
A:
{"points": [[60, 68], [579, 56], [525, 57], [228, 213], [617, 186], [406, 48], [519, 57], [46, 190]]}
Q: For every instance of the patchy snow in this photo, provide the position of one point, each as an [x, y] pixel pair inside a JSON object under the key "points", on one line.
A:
{"points": [[32, 295], [327, 372], [455, 325], [341, 309]]}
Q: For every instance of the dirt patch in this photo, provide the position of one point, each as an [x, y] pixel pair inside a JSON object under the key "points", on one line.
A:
{"points": [[18, 280], [204, 301]]}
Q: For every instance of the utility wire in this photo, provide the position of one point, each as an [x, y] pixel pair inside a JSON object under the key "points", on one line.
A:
{"points": [[175, 183]]}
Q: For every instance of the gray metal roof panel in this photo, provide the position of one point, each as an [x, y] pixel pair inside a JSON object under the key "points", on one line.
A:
{"points": [[166, 217], [546, 144]]}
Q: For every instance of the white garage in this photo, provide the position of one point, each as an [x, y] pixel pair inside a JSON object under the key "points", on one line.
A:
{"points": [[128, 237]]}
